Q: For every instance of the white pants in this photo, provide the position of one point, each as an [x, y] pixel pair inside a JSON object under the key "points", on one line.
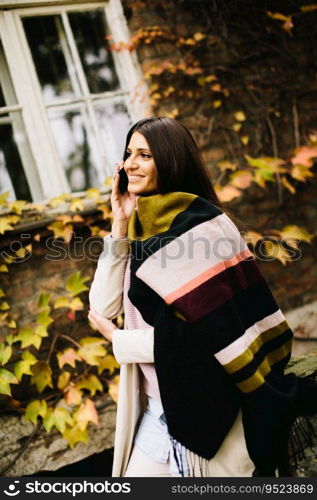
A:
{"points": [[231, 460]]}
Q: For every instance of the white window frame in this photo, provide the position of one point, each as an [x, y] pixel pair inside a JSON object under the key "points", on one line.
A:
{"points": [[50, 172]]}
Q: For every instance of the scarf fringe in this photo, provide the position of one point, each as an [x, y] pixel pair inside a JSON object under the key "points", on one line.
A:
{"points": [[189, 464], [302, 437]]}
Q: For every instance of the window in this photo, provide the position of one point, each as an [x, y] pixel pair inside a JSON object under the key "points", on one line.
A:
{"points": [[73, 92]]}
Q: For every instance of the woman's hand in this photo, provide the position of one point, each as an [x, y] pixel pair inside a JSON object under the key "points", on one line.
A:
{"points": [[103, 325], [122, 204]]}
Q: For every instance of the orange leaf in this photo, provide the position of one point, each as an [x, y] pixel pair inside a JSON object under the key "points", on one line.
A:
{"points": [[304, 156], [68, 356], [86, 413]]}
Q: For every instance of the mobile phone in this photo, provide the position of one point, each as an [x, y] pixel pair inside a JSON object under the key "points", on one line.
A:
{"points": [[123, 180]]}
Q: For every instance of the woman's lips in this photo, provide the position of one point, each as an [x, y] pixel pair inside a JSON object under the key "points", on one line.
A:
{"points": [[135, 178]]}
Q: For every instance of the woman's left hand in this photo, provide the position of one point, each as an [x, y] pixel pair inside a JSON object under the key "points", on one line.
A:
{"points": [[103, 325]]}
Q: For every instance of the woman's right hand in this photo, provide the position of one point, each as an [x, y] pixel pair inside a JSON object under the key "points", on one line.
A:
{"points": [[122, 204]]}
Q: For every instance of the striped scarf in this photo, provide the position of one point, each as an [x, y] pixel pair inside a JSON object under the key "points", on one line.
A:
{"points": [[221, 342]]}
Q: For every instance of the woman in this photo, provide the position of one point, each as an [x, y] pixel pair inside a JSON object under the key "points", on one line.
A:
{"points": [[204, 345]]}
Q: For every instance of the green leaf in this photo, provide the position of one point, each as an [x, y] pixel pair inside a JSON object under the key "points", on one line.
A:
{"points": [[57, 417], [6, 378], [43, 302], [23, 367], [44, 318], [42, 375], [27, 338], [35, 409], [5, 353], [76, 283]]}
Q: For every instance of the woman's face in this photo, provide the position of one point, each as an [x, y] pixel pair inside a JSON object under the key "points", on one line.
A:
{"points": [[140, 166]]}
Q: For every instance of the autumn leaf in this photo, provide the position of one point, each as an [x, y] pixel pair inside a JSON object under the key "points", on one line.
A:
{"points": [[5, 353], [5, 225], [76, 304], [58, 200], [227, 193], [227, 165], [76, 204], [73, 396], [241, 179], [245, 140], [105, 209], [68, 356], [301, 173], [43, 301], [252, 237], [6, 378], [236, 127], [288, 185], [18, 206], [27, 337], [292, 234], [61, 302], [42, 375], [287, 20], [86, 413], [23, 367], [199, 36], [91, 350], [4, 268], [58, 417], [35, 409], [41, 331], [93, 193], [4, 306], [2, 294], [4, 198], [63, 380], [108, 363], [240, 116], [73, 435], [89, 382], [308, 8], [114, 388], [44, 318], [76, 283], [275, 250], [304, 156], [217, 104], [62, 231]]}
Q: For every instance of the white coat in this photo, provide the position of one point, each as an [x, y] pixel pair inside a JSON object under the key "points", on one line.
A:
{"points": [[131, 347]]}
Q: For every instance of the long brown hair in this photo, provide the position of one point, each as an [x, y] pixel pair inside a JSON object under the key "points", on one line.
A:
{"points": [[177, 158]]}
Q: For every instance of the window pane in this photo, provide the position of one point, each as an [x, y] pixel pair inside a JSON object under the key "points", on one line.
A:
{"points": [[51, 56], [12, 177], [89, 30], [75, 147], [114, 123]]}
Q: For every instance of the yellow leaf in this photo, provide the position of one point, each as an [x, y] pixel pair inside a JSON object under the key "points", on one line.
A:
{"points": [[62, 231], [76, 283], [252, 237], [240, 116], [18, 206], [114, 388], [4, 306], [44, 318], [89, 382], [58, 200], [108, 363], [236, 127], [217, 104], [63, 380], [277, 15], [4, 268], [308, 8], [59, 418], [91, 350], [12, 324], [61, 302], [292, 234], [227, 165], [274, 250], [43, 300], [73, 435], [76, 304], [34, 409], [27, 338], [199, 36], [42, 375], [4, 198], [5, 225], [23, 367], [301, 173], [105, 209], [2, 294], [41, 331], [6, 378], [288, 185], [5, 353], [245, 139], [93, 193], [86, 413]]}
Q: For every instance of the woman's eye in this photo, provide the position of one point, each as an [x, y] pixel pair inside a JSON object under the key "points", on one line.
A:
{"points": [[144, 155], [127, 153]]}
